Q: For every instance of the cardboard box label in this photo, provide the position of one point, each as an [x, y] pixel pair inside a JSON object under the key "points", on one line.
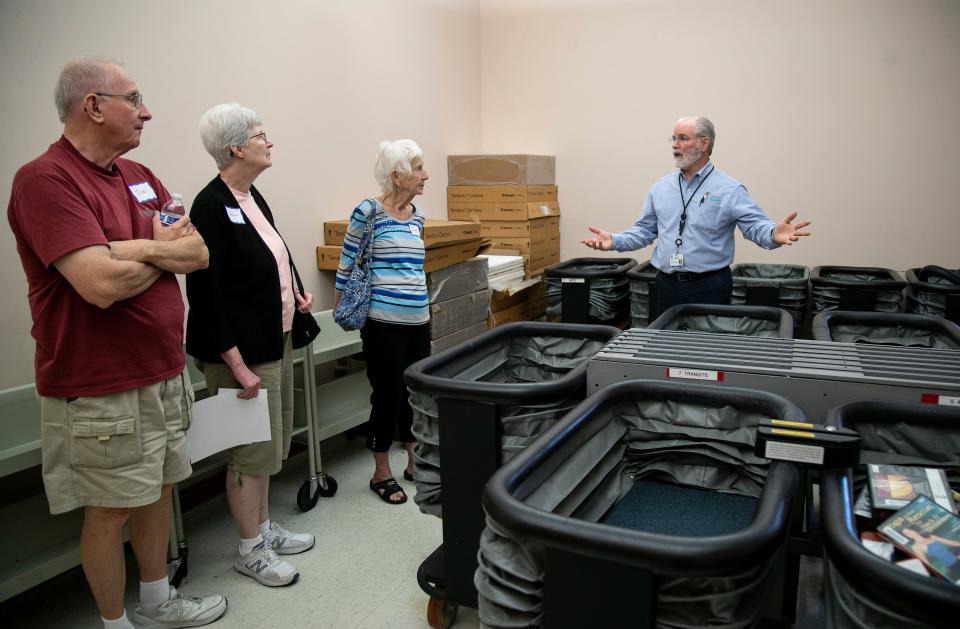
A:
{"points": [[534, 229], [328, 257], [494, 194], [501, 211]]}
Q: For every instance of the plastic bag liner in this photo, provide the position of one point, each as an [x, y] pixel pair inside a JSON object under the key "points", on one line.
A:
{"points": [[856, 288], [609, 286], [881, 328], [723, 319], [534, 372], [863, 590], [557, 492], [643, 294], [784, 286], [933, 290]]}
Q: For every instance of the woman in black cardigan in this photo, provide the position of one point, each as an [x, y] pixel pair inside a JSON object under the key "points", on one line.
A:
{"points": [[238, 327]]}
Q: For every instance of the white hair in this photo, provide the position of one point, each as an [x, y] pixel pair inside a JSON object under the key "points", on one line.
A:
{"points": [[78, 78], [705, 130], [394, 156], [224, 126]]}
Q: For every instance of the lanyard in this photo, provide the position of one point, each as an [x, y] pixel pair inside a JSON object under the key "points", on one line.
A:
{"points": [[683, 213]]}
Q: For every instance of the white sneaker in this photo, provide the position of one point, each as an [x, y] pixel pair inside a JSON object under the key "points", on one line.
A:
{"points": [[181, 611], [284, 542], [263, 565]]}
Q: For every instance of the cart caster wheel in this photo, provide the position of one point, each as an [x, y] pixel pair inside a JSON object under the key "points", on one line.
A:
{"points": [[441, 614], [331, 487], [304, 500]]}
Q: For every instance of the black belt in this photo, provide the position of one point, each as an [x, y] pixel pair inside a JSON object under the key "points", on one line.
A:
{"points": [[689, 276]]}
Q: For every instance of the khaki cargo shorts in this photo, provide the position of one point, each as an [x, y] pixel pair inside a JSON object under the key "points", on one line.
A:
{"points": [[115, 450], [263, 458]]}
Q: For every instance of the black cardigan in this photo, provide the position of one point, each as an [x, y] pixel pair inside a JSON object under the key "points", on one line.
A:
{"points": [[235, 301]]}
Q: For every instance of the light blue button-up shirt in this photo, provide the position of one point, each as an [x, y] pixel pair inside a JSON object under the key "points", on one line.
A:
{"points": [[720, 204]]}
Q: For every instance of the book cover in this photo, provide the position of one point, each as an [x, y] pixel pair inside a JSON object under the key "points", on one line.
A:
{"points": [[892, 487], [928, 532]]}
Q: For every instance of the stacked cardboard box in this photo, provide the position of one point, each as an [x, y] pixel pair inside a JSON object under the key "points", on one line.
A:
{"points": [[446, 243], [459, 303], [524, 302], [514, 199]]}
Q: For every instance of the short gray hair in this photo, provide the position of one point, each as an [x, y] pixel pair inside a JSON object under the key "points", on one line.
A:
{"points": [[226, 125], [394, 156], [705, 129], [78, 78]]}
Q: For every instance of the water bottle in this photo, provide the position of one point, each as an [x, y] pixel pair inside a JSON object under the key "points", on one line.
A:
{"points": [[173, 211]]}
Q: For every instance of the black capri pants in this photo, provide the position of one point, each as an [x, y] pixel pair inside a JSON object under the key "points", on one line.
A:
{"points": [[389, 349]]}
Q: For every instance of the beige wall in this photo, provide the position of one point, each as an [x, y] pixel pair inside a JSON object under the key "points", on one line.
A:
{"points": [[330, 79], [843, 110]]}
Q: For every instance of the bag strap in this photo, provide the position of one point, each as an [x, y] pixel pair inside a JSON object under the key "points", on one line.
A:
{"points": [[366, 240]]}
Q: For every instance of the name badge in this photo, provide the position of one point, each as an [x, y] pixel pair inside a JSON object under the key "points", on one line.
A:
{"points": [[142, 192], [234, 214], [414, 230], [676, 259]]}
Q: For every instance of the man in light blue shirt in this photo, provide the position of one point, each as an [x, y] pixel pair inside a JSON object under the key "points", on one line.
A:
{"points": [[691, 214]]}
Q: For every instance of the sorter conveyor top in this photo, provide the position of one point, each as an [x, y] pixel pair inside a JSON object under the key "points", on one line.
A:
{"points": [[793, 358]]}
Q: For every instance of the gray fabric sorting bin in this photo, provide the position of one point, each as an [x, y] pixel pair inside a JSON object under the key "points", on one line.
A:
{"points": [[861, 589], [784, 286], [533, 371], [725, 319], [882, 328], [856, 288], [643, 294], [933, 290], [552, 497], [609, 295]]}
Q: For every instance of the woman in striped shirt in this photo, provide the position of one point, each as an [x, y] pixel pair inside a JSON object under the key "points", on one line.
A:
{"points": [[397, 331]]}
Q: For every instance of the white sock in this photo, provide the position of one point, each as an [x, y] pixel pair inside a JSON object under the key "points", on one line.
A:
{"points": [[247, 545], [120, 623], [154, 593], [265, 527]]}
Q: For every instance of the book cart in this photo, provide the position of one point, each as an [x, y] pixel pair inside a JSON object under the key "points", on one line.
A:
{"points": [[475, 405], [861, 589]]}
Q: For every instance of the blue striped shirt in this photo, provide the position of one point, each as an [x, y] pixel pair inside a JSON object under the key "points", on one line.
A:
{"points": [[721, 204], [399, 288]]}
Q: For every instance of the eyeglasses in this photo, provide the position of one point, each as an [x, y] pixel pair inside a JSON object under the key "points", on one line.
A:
{"points": [[683, 138], [135, 99], [262, 134]]}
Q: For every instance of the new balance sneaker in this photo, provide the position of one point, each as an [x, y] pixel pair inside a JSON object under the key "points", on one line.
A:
{"points": [[284, 542], [263, 565], [181, 611]]}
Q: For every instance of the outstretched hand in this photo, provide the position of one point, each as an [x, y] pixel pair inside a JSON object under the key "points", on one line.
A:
{"points": [[787, 234], [603, 241]]}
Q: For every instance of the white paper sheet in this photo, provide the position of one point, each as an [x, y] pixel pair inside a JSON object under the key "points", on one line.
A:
{"points": [[224, 421]]}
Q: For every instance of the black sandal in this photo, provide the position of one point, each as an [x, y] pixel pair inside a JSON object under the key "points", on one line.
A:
{"points": [[407, 476], [386, 488]]}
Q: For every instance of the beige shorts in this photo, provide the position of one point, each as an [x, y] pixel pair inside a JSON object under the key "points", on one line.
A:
{"points": [[115, 450], [263, 458]]}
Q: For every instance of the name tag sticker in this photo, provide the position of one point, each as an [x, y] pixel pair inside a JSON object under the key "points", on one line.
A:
{"points": [[414, 230], [142, 192], [234, 214]]}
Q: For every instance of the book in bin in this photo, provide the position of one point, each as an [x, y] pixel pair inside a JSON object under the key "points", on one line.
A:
{"points": [[928, 532], [892, 487]]}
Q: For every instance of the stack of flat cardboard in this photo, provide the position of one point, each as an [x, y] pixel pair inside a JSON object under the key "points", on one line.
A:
{"points": [[459, 303], [514, 199], [446, 243], [503, 271]]}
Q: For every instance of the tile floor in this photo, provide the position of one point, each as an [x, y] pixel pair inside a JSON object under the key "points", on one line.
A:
{"points": [[360, 575]]}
